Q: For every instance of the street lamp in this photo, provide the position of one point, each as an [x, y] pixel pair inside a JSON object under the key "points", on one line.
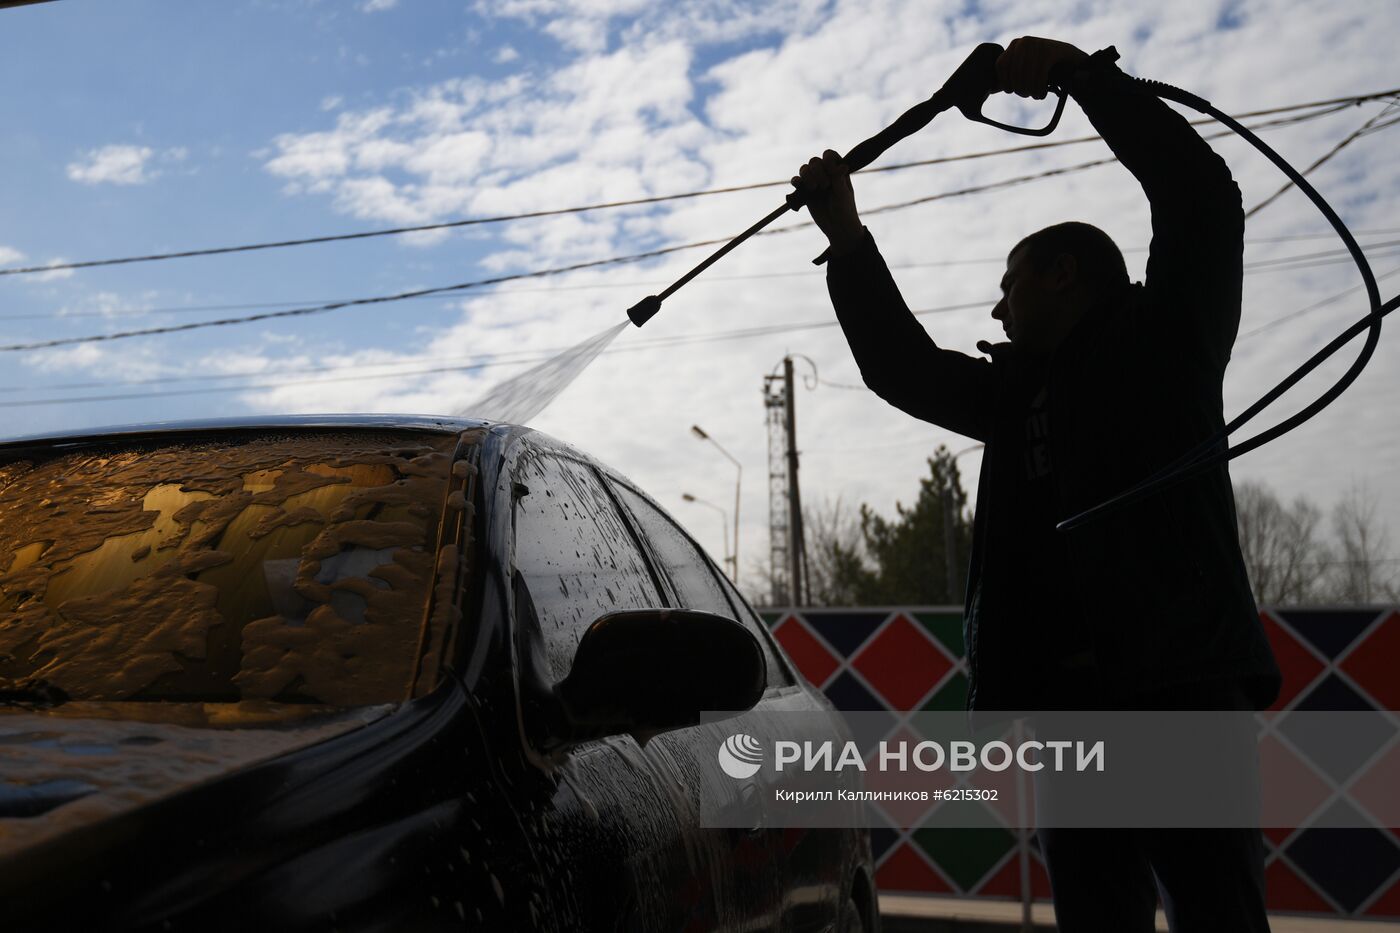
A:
{"points": [[723, 531], [738, 479]]}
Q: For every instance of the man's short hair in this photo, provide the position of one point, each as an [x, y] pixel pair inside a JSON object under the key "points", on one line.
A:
{"points": [[1099, 260]]}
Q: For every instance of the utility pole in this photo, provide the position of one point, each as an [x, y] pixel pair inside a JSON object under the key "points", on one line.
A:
{"points": [[775, 412], [798, 545], [950, 563], [950, 515]]}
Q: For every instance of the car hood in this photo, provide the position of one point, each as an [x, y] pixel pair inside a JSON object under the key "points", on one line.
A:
{"points": [[65, 768]]}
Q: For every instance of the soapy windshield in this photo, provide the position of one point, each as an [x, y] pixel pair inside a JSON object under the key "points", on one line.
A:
{"points": [[290, 567]]}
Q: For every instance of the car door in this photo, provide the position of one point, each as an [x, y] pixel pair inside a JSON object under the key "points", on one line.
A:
{"points": [[754, 855], [798, 874], [614, 828]]}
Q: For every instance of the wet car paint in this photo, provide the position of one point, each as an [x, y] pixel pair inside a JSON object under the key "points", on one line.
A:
{"points": [[446, 814]]}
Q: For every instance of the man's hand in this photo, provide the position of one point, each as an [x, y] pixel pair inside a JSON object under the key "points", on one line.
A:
{"points": [[1024, 68], [825, 181]]}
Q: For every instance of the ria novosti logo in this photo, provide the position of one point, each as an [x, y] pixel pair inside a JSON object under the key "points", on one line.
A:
{"points": [[741, 756]]}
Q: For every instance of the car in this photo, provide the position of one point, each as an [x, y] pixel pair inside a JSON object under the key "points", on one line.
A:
{"points": [[382, 672]]}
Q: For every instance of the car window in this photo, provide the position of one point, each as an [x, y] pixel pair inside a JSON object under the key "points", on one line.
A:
{"points": [[681, 560], [694, 578], [292, 567], [576, 555]]}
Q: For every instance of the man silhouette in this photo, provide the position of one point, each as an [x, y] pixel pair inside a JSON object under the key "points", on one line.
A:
{"points": [[1100, 383]]}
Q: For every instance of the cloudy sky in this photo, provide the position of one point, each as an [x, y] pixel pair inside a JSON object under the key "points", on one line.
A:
{"points": [[147, 126]]}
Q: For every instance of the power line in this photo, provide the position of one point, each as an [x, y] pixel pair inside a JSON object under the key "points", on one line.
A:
{"points": [[1368, 126], [483, 361], [418, 293], [643, 283], [1327, 107]]}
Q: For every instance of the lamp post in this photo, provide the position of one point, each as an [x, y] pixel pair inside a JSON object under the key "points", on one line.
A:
{"points": [[738, 479], [723, 530]]}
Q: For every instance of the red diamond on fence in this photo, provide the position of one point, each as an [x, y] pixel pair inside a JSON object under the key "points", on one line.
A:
{"points": [[1297, 663], [902, 663], [1288, 891], [1290, 790], [812, 658], [1007, 882], [903, 814], [1387, 905], [906, 870], [1372, 663]]}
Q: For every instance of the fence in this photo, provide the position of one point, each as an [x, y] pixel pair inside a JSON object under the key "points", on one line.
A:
{"points": [[912, 657]]}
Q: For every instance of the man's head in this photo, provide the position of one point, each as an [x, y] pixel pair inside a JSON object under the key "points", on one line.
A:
{"points": [[1052, 277]]}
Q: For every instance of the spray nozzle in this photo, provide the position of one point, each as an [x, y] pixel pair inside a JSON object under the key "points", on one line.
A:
{"points": [[644, 310]]}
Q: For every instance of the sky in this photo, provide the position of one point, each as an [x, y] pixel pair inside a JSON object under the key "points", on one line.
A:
{"points": [[147, 127]]}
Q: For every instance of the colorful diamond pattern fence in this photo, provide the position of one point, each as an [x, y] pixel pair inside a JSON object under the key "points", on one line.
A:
{"points": [[909, 658]]}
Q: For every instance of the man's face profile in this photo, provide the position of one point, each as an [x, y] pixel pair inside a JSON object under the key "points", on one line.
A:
{"points": [[1024, 306]]}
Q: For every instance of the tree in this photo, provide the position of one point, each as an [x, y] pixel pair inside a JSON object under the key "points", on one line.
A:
{"points": [[872, 560], [1363, 572], [835, 553], [1285, 561], [905, 559]]}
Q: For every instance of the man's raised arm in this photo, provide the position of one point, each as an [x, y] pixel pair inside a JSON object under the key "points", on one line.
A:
{"points": [[898, 360], [1195, 265]]}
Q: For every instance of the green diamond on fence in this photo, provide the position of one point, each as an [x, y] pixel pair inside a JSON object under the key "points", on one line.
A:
{"points": [[950, 697], [946, 628], [965, 855], [771, 619]]}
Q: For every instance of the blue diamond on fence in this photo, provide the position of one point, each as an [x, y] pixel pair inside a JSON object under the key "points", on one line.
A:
{"points": [[844, 631], [1348, 864], [1335, 728], [1329, 630]]}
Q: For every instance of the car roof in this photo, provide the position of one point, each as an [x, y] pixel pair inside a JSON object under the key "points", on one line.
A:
{"points": [[430, 423]]}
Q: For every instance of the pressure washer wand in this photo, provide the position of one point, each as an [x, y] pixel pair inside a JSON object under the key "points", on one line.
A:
{"points": [[967, 89]]}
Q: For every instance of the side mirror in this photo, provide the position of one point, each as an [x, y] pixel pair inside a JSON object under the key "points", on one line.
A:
{"points": [[650, 670]]}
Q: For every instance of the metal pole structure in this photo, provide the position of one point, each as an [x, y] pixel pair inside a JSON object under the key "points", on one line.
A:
{"points": [[797, 544], [723, 522], [1024, 834], [774, 409], [950, 563], [738, 479]]}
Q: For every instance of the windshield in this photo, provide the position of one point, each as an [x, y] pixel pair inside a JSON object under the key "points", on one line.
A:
{"points": [[287, 567]]}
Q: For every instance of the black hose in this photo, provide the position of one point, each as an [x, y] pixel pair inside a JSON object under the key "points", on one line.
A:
{"points": [[1214, 451]]}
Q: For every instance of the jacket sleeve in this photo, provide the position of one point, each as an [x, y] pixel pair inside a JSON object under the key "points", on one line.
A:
{"points": [[898, 360], [1194, 267]]}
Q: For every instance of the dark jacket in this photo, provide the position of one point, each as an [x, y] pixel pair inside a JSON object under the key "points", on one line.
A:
{"points": [[1152, 598]]}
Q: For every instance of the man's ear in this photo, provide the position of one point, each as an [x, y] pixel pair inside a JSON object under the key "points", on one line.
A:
{"points": [[1063, 272]]}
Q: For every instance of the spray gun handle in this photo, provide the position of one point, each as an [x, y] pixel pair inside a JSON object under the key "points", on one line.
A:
{"points": [[976, 80], [966, 89]]}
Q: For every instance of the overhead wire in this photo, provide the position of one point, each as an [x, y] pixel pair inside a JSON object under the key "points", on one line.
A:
{"points": [[488, 360], [538, 273], [109, 314], [1322, 107], [1356, 134]]}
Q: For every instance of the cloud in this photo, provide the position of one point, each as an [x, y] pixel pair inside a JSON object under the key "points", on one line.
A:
{"points": [[115, 164], [120, 164], [376, 6], [504, 55], [9, 256], [659, 98], [588, 131]]}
